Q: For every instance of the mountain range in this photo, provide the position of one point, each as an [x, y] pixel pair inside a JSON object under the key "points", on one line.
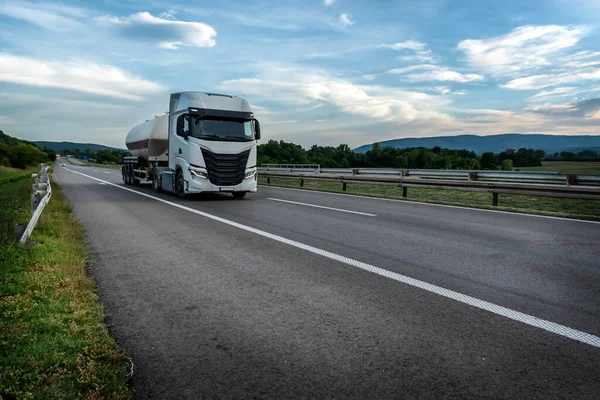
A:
{"points": [[60, 146], [497, 143], [479, 144]]}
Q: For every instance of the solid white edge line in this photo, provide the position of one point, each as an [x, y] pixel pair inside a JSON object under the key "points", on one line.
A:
{"points": [[435, 204], [317, 206], [518, 316]]}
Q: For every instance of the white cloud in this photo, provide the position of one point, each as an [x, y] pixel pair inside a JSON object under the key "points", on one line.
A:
{"points": [[434, 73], [444, 76], [170, 15], [556, 92], [546, 80], [369, 77], [525, 48], [346, 19], [413, 45], [421, 54], [329, 2], [81, 76], [411, 68], [48, 16], [302, 86], [5, 120], [168, 34], [442, 89]]}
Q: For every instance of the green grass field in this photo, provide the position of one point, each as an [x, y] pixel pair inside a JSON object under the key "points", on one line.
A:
{"points": [[574, 167], [12, 174], [53, 341], [559, 207]]}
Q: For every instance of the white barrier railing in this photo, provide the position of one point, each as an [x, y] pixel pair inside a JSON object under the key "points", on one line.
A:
{"points": [[42, 191]]}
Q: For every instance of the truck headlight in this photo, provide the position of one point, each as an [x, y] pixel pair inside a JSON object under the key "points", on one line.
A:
{"points": [[250, 173], [199, 172]]}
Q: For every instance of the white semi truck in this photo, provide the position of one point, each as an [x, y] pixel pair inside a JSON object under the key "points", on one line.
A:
{"points": [[205, 143]]}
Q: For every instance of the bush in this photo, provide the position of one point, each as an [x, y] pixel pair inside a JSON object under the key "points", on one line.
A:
{"points": [[507, 165]]}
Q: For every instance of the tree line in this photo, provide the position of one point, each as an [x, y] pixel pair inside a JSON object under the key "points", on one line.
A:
{"points": [[585, 155], [19, 153], [280, 152]]}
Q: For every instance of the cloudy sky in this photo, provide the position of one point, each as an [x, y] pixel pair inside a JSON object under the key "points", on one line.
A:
{"points": [[315, 71]]}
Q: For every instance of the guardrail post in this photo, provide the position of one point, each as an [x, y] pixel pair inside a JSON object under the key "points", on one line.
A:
{"points": [[472, 176], [301, 182], [355, 171], [404, 191], [35, 201], [571, 180], [268, 180], [495, 199], [343, 186]]}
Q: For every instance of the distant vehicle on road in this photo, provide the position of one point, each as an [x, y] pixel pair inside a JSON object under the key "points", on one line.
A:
{"points": [[206, 143]]}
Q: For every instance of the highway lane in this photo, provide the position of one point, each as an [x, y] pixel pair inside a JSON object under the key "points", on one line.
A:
{"points": [[431, 346], [541, 266]]}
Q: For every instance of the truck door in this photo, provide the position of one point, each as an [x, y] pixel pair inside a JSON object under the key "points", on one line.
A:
{"points": [[179, 145]]}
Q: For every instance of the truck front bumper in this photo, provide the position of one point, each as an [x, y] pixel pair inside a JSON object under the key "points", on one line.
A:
{"points": [[203, 185]]}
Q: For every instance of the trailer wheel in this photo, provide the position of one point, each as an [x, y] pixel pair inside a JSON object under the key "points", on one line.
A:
{"points": [[127, 176], [180, 184], [134, 180], [156, 185], [124, 173], [238, 195]]}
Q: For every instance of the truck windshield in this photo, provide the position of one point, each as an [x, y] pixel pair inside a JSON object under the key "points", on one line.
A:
{"points": [[223, 130]]}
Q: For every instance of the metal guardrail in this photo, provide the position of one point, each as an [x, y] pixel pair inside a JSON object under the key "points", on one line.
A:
{"points": [[550, 184], [468, 175], [292, 167], [42, 191]]}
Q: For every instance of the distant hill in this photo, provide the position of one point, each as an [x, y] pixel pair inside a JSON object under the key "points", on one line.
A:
{"points": [[59, 146], [19, 153], [497, 143]]}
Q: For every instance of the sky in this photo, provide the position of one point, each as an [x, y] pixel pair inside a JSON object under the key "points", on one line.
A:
{"points": [[320, 72]]}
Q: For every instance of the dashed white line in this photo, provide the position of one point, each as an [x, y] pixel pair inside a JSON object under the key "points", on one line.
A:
{"points": [[434, 204], [327, 208], [514, 315]]}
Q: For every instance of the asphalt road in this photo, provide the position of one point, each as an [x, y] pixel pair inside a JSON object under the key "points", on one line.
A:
{"points": [[265, 297]]}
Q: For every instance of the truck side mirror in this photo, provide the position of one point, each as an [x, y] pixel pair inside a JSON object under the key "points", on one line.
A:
{"points": [[257, 129]]}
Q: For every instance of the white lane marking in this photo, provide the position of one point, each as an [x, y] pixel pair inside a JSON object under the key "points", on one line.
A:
{"points": [[435, 205], [106, 172], [102, 183], [526, 319], [316, 206]]}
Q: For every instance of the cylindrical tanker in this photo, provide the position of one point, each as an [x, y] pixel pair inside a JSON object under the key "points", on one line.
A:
{"points": [[150, 140]]}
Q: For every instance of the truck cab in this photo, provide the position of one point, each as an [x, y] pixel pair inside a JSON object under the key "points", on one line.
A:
{"points": [[210, 148]]}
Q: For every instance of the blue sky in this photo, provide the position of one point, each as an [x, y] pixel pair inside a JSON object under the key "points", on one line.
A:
{"points": [[315, 71]]}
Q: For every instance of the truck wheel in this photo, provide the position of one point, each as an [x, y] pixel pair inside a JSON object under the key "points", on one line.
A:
{"points": [[127, 181], [124, 174], [180, 184], [238, 195], [156, 183], [134, 180]]}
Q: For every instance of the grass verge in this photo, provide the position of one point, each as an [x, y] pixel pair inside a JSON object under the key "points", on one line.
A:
{"points": [[558, 207], [53, 341], [570, 167], [8, 174]]}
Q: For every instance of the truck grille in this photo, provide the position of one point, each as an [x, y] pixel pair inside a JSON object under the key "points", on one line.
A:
{"points": [[225, 169]]}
